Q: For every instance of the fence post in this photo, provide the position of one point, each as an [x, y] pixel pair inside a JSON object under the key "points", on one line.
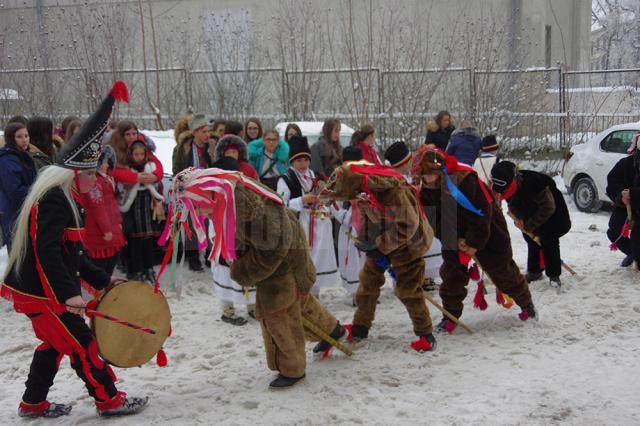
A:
{"points": [[187, 90], [285, 103], [563, 107], [473, 90]]}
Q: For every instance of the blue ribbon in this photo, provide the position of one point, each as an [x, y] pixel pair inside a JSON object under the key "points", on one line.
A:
{"points": [[385, 264], [459, 196]]}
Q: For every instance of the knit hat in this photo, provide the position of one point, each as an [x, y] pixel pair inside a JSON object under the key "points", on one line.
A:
{"points": [[298, 147], [198, 121], [490, 143], [351, 153], [81, 152], [502, 174], [397, 154]]}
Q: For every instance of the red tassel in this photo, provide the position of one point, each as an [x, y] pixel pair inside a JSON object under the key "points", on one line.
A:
{"points": [[161, 358], [449, 326], [421, 345], [499, 298], [479, 301], [613, 246], [474, 272], [120, 92]]}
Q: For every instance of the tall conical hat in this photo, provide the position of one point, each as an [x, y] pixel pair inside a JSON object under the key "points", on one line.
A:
{"points": [[83, 149]]}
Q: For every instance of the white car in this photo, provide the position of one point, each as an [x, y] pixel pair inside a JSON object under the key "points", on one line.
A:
{"points": [[312, 130], [585, 172]]}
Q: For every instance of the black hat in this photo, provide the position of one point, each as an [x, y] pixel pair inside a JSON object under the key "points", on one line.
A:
{"points": [[84, 147], [502, 174], [227, 163], [397, 154], [490, 143], [298, 147], [351, 153]]}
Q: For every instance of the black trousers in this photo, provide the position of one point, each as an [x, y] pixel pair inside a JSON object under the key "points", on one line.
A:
{"points": [[141, 252], [107, 264], [551, 251], [66, 334], [616, 222]]}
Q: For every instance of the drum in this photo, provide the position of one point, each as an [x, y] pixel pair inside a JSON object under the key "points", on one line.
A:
{"points": [[134, 302]]}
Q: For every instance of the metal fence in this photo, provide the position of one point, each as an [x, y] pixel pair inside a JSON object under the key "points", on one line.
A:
{"points": [[531, 109]]}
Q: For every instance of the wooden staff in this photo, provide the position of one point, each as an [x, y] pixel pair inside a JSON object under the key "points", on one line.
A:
{"points": [[447, 313], [536, 239], [324, 336]]}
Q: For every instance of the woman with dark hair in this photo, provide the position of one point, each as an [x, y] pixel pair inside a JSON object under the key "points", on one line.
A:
{"points": [[292, 130], [252, 130], [326, 154], [439, 130], [364, 138], [17, 174], [41, 148], [125, 134], [70, 129], [62, 130]]}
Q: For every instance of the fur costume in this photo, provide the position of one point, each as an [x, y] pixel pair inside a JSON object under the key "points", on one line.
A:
{"points": [[394, 225]]}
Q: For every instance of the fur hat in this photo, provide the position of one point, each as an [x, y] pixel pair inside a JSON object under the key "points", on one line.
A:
{"points": [[197, 121], [231, 142], [397, 154], [502, 174], [81, 152], [490, 143], [351, 153], [298, 147]]}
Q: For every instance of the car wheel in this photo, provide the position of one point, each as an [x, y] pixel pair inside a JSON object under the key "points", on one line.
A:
{"points": [[585, 196]]}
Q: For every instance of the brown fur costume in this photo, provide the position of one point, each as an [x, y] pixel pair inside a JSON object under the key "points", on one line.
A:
{"points": [[403, 234], [273, 256], [488, 234]]}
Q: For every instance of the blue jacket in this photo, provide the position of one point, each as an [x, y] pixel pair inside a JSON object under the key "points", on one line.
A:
{"points": [[255, 151], [465, 145], [17, 174]]}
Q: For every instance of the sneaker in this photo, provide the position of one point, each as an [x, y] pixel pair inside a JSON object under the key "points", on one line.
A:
{"points": [[195, 264], [338, 333], [44, 409], [533, 276], [429, 285], [130, 405], [283, 382], [627, 261], [233, 319], [445, 325]]}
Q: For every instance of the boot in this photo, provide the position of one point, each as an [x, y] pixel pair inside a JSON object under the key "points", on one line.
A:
{"points": [[283, 382], [229, 316], [533, 276], [445, 325], [44, 409], [528, 312], [359, 333], [627, 261], [150, 276], [195, 264], [130, 405], [555, 282], [338, 333], [426, 343]]}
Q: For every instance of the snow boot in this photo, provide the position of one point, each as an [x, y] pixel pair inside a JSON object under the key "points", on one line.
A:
{"points": [[195, 264], [338, 333], [426, 343], [283, 382], [130, 405], [445, 325], [627, 261], [359, 333], [44, 409], [533, 276], [529, 312]]}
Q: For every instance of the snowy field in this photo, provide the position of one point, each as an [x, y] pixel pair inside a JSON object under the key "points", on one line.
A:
{"points": [[580, 364]]}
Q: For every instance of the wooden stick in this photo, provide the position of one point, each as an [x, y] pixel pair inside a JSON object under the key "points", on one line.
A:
{"points": [[324, 336], [447, 313]]}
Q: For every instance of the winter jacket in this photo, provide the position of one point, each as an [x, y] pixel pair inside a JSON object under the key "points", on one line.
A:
{"points": [[255, 152], [54, 261], [625, 175], [244, 167], [103, 216], [324, 158], [465, 145], [540, 205], [438, 136], [369, 153], [127, 176], [17, 174], [40, 159], [183, 155]]}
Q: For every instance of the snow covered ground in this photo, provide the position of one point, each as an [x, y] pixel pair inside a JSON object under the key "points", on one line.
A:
{"points": [[578, 365]]}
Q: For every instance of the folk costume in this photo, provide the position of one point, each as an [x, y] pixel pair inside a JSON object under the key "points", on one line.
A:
{"points": [[468, 219], [394, 233], [315, 219], [266, 249], [45, 268], [534, 200]]}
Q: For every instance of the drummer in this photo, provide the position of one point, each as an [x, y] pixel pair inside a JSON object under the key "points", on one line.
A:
{"points": [[45, 266]]}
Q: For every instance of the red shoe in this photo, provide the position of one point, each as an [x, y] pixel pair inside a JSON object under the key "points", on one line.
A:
{"points": [[43, 409]]}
